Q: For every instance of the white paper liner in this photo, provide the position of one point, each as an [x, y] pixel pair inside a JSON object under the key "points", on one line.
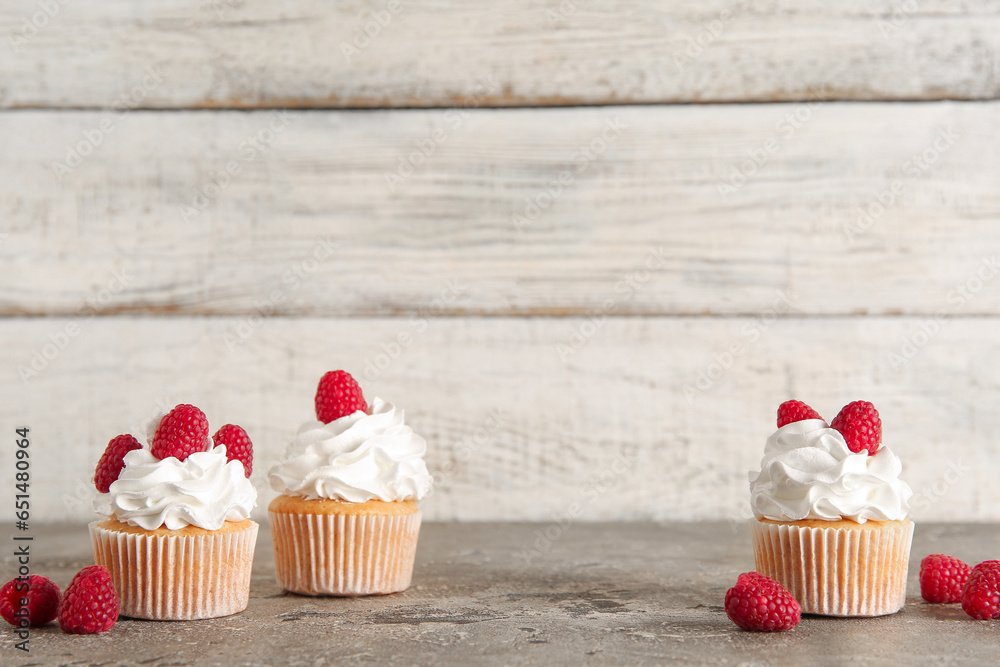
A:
{"points": [[172, 577], [337, 554], [837, 571]]}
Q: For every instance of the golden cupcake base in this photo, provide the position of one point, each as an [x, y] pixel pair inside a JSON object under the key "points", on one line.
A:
{"points": [[837, 568]]}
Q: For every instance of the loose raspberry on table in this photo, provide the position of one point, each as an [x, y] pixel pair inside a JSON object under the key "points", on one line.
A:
{"points": [[90, 603], [238, 445], [758, 602], [942, 578], [860, 425], [182, 432], [981, 595], [113, 460], [338, 395], [795, 411], [29, 602]]}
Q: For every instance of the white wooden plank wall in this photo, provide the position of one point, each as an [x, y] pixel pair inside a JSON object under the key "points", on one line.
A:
{"points": [[525, 415], [678, 185], [389, 53], [567, 266]]}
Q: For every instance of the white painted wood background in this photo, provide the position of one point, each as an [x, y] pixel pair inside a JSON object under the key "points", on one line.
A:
{"points": [[700, 265], [312, 53]]}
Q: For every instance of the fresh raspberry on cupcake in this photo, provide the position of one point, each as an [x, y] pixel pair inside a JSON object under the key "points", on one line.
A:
{"points": [[237, 444], [180, 433], [338, 395], [860, 425], [795, 411], [113, 460]]}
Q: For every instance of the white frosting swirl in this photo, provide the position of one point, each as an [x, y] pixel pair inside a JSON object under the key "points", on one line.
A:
{"points": [[809, 473], [355, 458], [204, 490]]}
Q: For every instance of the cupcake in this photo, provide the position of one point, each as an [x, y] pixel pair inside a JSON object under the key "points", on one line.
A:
{"points": [[347, 521], [177, 537], [830, 512]]}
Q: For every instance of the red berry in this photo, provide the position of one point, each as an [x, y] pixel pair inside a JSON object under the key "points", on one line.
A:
{"points": [[942, 578], [758, 602], [33, 602], [860, 425], [981, 595], [90, 603], [182, 432], [795, 411], [338, 395], [238, 445], [113, 460]]}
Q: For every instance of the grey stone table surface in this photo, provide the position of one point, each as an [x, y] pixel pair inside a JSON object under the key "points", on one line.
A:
{"points": [[488, 593]]}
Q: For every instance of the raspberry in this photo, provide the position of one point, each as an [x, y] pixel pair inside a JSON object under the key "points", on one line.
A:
{"points": [[337, 395], [34, 603], [795, 411], [113, 460], [182, 432], [758, 602], [981, 595], [90, 603], [238, 445], [942, 578], [860, 425]]}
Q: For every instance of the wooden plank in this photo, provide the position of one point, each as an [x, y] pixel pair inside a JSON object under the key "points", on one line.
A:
{"points": [[312, 53], [514, 212], [524, 415]]}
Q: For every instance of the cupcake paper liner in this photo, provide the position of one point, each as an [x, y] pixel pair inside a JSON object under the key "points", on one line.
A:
{"points": [[173, 577], [837, 571], [336, 554]]}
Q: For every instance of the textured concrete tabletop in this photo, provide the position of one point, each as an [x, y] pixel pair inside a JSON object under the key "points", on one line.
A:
{"points": [[504, 594]]}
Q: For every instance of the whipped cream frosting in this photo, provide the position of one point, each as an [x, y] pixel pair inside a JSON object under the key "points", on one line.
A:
{"points": [[204, 490], [356, 458], [809, 473]]}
